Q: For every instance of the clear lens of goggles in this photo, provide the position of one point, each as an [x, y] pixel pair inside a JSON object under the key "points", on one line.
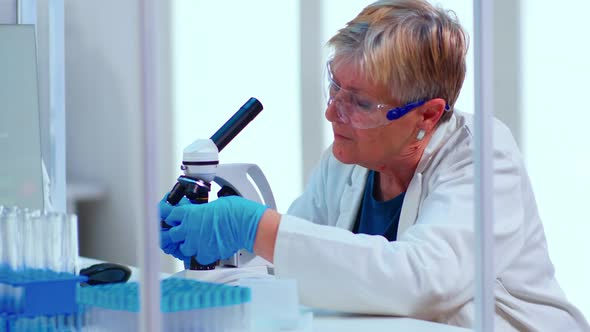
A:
{"points": [[353, 108], [361, 111], [349, 112]]}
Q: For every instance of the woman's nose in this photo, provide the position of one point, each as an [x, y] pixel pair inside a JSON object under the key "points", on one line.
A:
{"points": [[332, 113]]}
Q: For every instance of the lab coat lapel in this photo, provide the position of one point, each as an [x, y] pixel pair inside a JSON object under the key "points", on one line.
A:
{"points": [[351, 198], [411, 204], [413, 197]]}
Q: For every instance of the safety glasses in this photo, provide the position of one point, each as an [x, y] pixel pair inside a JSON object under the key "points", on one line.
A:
{"points": [[362, 111]]}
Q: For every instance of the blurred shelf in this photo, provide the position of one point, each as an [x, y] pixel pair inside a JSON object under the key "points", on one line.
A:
{"points": [[77, 192]]}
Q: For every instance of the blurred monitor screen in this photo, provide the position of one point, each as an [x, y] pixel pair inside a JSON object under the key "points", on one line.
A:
{"points": [[21, 179]]}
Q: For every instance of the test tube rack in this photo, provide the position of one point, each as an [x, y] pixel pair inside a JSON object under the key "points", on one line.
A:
{"points": [[187, 305]]}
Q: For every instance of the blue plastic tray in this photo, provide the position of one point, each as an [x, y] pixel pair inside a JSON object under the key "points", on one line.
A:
{"points": [[42, 292]]}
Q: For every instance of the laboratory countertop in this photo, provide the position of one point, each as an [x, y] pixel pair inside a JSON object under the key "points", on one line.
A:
{"points": [[338, 322], [329, 321]]}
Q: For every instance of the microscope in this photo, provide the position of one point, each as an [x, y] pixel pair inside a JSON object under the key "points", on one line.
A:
{"points": [[200, 164]]}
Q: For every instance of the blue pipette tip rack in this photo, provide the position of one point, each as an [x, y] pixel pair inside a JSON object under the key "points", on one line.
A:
{"points": [[39, 292], [177, 295]]}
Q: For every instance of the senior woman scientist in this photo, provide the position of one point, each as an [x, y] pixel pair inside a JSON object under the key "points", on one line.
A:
{"points": [[385, 225]]}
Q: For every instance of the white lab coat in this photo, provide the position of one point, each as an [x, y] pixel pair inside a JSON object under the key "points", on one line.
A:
{"points": [[428, 273]]}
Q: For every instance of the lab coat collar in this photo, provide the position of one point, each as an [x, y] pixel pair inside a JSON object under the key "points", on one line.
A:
{"points": [[437, 140], [412, 200], [350, 201]]}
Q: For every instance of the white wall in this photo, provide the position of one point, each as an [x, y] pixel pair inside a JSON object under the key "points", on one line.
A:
{"points": [[8, 11], [103, 122], [556, 68]]}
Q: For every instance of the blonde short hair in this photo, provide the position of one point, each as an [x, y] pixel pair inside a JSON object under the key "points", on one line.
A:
{"points": [[414, 49]]}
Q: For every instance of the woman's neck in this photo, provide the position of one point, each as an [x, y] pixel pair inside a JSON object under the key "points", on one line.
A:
{"points": [[393, 177]]}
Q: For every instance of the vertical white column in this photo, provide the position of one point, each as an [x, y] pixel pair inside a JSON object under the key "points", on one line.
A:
{"points": [[26, 11], [48, 18], [484, 105], [150, 314], [507, 66], [312, 117], [57, 103]]}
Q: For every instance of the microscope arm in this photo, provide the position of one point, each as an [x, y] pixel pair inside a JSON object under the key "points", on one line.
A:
{"points": [[235, 176]]}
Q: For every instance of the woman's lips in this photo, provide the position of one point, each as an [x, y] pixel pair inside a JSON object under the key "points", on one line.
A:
{"points": [[340, 136], [341, 133]]}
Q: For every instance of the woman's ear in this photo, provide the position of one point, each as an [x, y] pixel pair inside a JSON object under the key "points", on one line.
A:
{"points": [[431, 112]]}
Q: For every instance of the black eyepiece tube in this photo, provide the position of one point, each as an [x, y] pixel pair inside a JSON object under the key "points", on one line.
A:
{"points": [[236, 123]]}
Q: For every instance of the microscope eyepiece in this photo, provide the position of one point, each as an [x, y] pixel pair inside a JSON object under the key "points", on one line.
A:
{"points": [[236, 123]]}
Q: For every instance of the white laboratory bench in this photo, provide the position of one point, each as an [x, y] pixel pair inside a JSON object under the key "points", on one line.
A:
{"points": [[329, 321], [334, 322]]}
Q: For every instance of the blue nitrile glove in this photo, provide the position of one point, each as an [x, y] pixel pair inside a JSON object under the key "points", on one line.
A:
{"points": [[215, 230], [168, 246], [165, 208]]}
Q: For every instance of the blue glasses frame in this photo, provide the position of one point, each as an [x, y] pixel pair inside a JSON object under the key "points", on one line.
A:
{"points": [[398, 112]]}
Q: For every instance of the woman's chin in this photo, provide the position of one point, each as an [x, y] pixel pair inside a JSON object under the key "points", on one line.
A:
{"points": [[342, 154]]}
